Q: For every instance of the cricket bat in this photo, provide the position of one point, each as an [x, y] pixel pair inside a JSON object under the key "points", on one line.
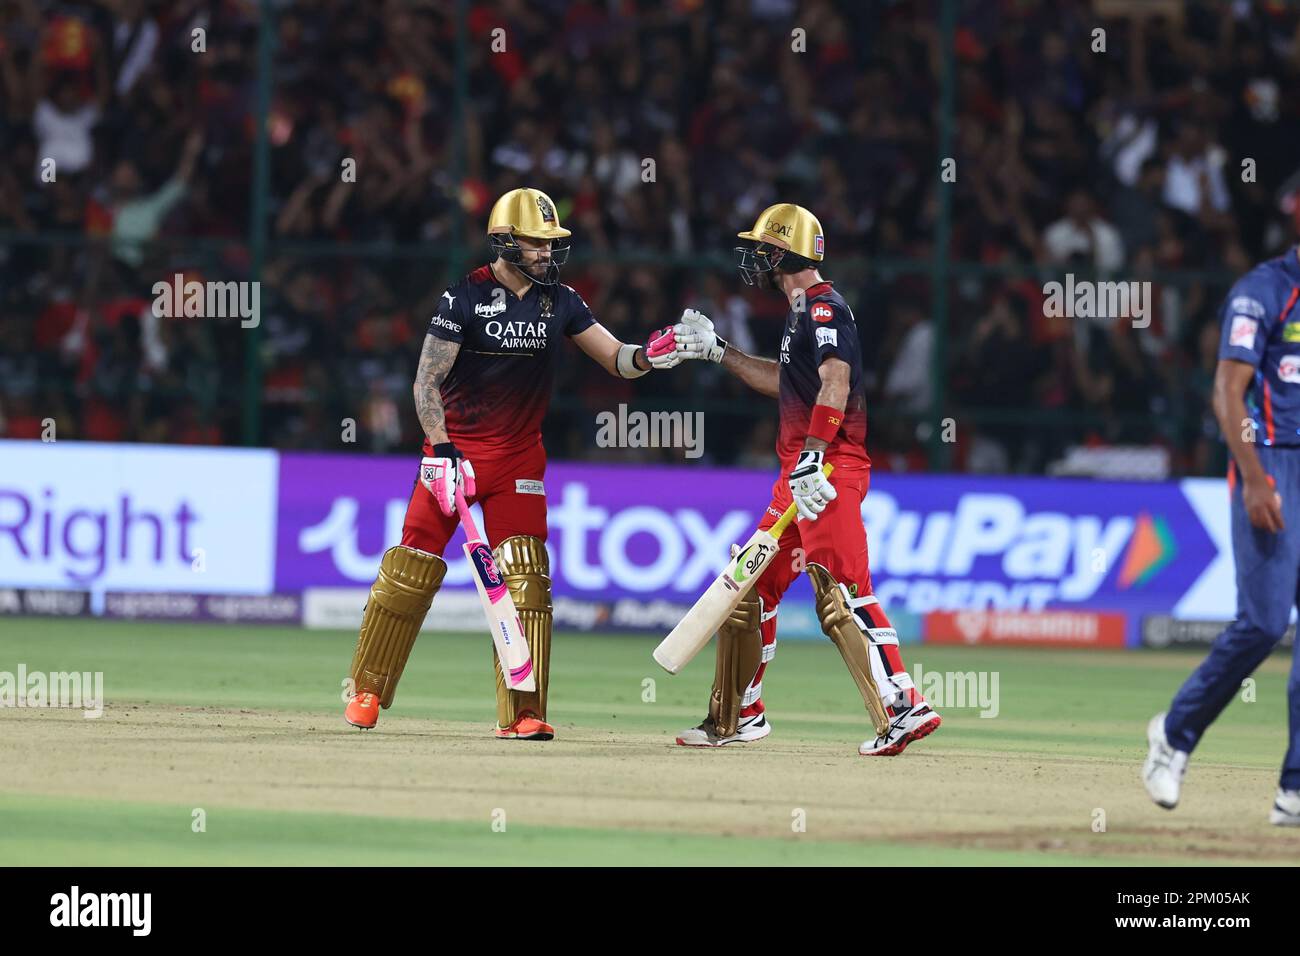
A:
{"points": [[706, 616], [503, 619]]}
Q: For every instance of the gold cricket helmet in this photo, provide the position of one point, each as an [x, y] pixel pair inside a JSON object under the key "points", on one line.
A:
{"points": [[531, 213], [526, 212], [785, 236]]}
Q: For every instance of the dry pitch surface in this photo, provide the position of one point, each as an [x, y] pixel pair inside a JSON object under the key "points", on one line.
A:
{"points": [[226, 745]]}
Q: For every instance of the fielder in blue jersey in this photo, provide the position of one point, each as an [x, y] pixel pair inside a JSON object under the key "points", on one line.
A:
{"points": [[1257, 404]]}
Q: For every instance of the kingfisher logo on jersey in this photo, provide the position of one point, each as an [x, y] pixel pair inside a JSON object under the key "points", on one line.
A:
{"points": [[1151, 547], [821, 312]]}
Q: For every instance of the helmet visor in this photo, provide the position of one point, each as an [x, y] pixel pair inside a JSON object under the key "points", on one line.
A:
{"points": [[756, 260], [506, 247]]}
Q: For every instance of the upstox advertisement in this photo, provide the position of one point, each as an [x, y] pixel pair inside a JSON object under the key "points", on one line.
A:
{"points": [[115, 518]]}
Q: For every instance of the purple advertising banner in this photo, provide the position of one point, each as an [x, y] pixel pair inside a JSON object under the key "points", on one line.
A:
{"points": [[101, 519], [614, 531], [936, 542]]}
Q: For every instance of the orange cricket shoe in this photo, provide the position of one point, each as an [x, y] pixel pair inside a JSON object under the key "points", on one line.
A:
{"points": [[527, 726], [362, 711]]}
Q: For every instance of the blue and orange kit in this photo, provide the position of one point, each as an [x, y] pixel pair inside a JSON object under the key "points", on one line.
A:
{"points": [[1261, 327]]}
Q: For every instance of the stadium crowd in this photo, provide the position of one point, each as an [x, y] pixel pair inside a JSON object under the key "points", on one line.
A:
{"points": [[661, 129]]}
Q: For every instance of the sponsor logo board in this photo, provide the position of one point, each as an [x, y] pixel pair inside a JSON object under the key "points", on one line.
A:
{"points": [[1026, 628]]}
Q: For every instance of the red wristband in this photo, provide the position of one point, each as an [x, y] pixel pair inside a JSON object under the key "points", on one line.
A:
{"points": [[825, 422]]}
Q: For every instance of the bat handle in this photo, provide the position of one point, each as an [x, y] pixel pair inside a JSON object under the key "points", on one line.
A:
{"points": [[462, 509]]}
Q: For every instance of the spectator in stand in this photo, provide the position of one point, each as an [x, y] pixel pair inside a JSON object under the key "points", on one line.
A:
{"points": [[64, 124], [1194, 180], [909, 381], [1083, 238], [731, 118], [1134, 208], [136, 217]]}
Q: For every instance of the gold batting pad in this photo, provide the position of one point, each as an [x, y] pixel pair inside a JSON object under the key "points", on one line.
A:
{"points": [[399, 599], [527, 570], [839, 624], [740, 651]]}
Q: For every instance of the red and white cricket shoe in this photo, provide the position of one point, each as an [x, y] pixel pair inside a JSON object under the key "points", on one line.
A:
{"points": [[906, 727], [362, 711], [527, 726], [750, 728]]}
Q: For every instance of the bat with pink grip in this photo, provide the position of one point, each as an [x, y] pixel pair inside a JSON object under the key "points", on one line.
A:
{"points": [[503, 618]]}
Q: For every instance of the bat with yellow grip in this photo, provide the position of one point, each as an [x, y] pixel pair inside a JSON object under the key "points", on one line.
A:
{"points": [[694, 630]]}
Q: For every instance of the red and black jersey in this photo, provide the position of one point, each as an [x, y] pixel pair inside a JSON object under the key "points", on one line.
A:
{"points": [[499, 387], [825, 328]]}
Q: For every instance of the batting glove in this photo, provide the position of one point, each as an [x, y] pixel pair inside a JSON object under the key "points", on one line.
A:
{"points": [[444, 473], [661, 351], [811, 491], [696, 338]]}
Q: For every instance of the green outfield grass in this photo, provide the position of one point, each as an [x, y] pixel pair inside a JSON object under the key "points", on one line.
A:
{"points": [[245, 722], [127, 834]]}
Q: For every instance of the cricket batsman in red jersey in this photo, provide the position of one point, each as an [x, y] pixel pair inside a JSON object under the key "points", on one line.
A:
{"points": [[481, 392], [823, 419]]}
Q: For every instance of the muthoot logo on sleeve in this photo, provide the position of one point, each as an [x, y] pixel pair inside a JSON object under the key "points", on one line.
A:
{"points": [[132, 910]]}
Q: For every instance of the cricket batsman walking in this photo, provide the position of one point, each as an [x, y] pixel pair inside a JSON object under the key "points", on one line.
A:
{"points": [[1257, 404], [823, 419], [481, 392]]}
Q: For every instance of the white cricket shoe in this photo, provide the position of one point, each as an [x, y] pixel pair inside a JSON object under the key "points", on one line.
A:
{"points": [[706, 735], [1286, 809], [1164, 768], [907, 726]]}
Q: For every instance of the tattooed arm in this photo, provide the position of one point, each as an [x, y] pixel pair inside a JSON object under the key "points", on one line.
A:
{"points": [[436, 359]]}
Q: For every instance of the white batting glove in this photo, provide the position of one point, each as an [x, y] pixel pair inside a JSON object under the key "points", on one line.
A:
{"points": [[811, 491], [443, 473], [696, 338]]}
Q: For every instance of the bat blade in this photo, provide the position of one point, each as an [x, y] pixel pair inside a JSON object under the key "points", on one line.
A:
{"points": [[728, 588], [503, 618], [695, 629]]}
